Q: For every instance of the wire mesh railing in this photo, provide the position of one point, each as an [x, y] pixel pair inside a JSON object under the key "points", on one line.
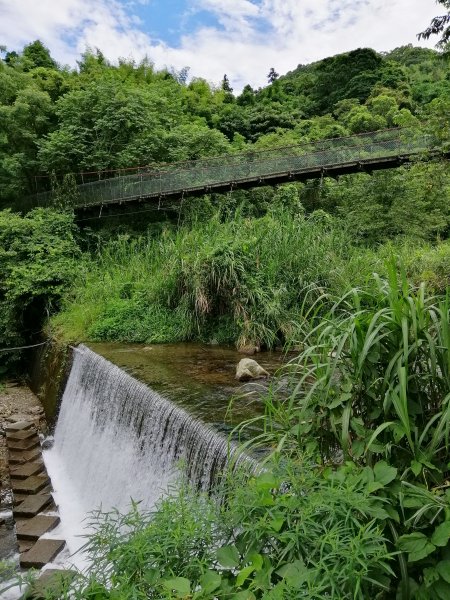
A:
{"points": [[235, 169]]}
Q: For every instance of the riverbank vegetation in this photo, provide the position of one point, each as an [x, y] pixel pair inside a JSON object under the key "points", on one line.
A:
{"points": [[353, 274]]}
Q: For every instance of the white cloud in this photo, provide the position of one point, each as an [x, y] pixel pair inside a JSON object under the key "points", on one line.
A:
{"points": [[251, 36]]}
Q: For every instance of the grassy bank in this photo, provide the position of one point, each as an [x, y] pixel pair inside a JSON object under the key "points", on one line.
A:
{"points": [[239, 280]]}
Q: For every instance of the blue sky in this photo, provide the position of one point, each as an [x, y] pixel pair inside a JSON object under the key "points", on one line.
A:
{"points": [[243, 38], [168, 20]]}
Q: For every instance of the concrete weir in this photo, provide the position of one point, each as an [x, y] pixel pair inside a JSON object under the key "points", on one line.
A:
{"points": [[118, 440]]}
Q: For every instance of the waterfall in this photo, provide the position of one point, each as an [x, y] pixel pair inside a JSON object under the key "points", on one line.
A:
{"points": [[116, 439]]}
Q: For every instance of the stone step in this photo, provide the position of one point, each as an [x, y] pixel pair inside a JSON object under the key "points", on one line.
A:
{"points": [[30, 485], [43, 552], [19, 457], [25, 545], [19, 426], [32, 529], [27, 470], [18, 418], [17, 436], [19, 498], [29, 444], [33, 505]]}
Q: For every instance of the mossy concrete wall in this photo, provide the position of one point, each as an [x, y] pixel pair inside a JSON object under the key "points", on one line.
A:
{"points": [[48, 371]]}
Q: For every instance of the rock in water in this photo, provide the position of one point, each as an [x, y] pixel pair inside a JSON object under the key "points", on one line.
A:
{"points": [[249, 369]]}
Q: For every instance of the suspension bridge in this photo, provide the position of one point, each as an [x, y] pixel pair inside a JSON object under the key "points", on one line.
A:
{"points": [[326, 158]]}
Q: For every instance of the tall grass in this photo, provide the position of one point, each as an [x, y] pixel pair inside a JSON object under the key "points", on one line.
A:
{"points": [[242, 280], [373, 379]]}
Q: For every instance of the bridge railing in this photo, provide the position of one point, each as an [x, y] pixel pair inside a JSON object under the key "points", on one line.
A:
{"points": [[206, 174]]}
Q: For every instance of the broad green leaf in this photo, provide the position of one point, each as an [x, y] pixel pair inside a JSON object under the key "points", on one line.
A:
{"points": [[266, 481], [256, 560], [210, 581], [443, 568], [441, 534], [295, 573], [276, 524], [180, 585], [244, 595], [416, 467], [336, 402], [244, 574], [373, 486], [398, 431], [384, 474], [416, 545], [228, 556], [393, 514], [430, 576], [441, 590]]}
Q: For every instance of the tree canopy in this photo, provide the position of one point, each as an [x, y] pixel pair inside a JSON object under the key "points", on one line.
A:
{"points": [[440, 25]]}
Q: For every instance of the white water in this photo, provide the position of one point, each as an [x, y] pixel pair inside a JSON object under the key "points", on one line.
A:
{"points": [[117, 440]]}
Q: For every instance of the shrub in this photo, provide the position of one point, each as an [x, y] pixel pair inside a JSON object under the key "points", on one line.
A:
{"points": [[252, 274]]}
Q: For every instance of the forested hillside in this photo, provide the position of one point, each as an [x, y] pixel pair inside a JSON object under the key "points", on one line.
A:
{"points": [[103, 116]]}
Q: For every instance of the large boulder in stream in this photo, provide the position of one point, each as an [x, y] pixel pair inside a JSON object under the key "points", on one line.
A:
{"points": [[248, 369]]}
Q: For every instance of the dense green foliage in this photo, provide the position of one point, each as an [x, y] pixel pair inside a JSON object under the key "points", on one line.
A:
{"points": [[353, 503], [238, 280], [238, 269], [38, 255], [286, 534]]}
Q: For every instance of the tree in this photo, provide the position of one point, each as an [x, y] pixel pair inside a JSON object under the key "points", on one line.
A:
{"points": [[439, 25], [226, 84], [272, 76], [37, 55], [11, 57]]}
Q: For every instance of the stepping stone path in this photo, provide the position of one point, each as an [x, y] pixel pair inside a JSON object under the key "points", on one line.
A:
{"points": [[19, 426], [32, 495], [17, 436], [22, 457], [28, 444], [30, 485]]}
